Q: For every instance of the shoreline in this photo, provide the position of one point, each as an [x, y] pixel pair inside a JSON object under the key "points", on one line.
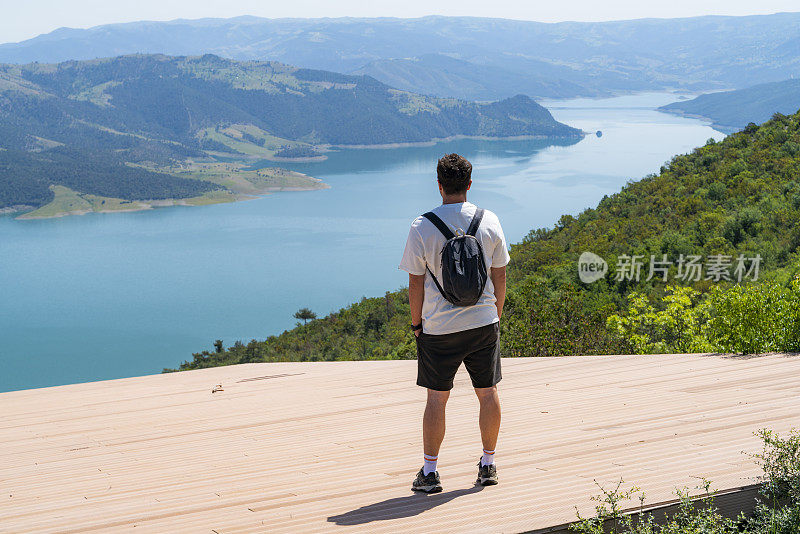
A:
{"points": [[142, 205], [326, 147], [276, 159], [321, 157], [722, 128], [145, 205], [10, 210], [437, 140]]}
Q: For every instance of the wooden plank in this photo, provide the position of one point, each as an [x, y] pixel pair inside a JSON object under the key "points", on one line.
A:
{"points": [[333, 446]]}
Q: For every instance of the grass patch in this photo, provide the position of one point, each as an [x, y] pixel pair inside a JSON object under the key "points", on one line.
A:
{"points": [[234, 177], [65, 201], [97, 94], [274, 178], [212, 197], [68, 202], [248, 140]]}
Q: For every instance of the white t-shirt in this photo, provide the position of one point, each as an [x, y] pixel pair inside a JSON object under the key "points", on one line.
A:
{"points": [[424, 247]]}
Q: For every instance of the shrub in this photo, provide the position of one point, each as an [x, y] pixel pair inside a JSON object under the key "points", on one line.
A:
{"points": [[678, 327], [752, 319], [777, 510], [758, 318]]}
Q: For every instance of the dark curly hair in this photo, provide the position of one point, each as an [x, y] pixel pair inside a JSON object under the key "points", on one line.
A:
{"points": [[454, 173]]}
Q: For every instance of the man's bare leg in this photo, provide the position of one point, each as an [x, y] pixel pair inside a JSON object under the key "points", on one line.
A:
{"points": [[427, 479], [489, 419], [433, 425]]}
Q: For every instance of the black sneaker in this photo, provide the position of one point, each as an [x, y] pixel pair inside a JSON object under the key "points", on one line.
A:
{"points": [[487, 475], [427, 484]]}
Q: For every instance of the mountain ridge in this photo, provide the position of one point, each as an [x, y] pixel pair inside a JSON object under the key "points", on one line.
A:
{"points": [[590, 58]]}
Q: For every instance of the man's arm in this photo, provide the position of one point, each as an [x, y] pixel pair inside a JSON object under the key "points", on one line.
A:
{"points": [[498, 275], [416, 294]]}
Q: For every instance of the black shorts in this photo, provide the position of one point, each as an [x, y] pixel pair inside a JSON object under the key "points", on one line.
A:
{"points": [[440, 356]]}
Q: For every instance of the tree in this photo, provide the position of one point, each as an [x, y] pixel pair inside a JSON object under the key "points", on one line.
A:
{"points": [[218, 346], [305, 314]]}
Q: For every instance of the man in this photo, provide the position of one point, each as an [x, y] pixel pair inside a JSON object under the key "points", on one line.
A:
{"points": [[447, 334]]}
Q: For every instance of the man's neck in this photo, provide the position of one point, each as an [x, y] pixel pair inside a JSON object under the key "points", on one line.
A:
{"points": [[454, 199]]}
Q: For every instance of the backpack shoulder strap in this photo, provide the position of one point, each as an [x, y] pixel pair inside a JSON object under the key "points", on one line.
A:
{"points": [[438, 223], [476, 222], [435, 281]]}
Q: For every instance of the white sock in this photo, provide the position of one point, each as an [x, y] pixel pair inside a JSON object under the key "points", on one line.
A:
{"points": [[487, 458], [430, 464]]}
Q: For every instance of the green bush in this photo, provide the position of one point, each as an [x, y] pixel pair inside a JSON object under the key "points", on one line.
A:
{"points": [[678, 327], [750, 319], [757, 318], [777, 510], [692, 516]]}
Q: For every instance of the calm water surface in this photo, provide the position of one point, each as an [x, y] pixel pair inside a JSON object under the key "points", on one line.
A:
{"points": [[114, 295]]}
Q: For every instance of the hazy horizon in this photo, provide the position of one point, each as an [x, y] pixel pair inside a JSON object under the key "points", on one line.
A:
{"points": [[29, 20]]}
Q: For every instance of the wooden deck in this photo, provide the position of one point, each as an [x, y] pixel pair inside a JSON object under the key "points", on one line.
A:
{"points": [[301, 447]]}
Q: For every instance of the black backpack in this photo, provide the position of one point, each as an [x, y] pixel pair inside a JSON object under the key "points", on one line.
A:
{"points": [[463, 265]]}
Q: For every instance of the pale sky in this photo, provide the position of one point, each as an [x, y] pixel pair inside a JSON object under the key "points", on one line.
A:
{"points": [[25, 19]]}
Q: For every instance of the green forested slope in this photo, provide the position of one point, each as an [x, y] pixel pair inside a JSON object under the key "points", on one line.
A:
{"points": [[738, 196]]}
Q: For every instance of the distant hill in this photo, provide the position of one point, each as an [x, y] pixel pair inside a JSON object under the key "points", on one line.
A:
{"points": [[437, 74], [111, 127], [733, 110], [492, 58]]}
